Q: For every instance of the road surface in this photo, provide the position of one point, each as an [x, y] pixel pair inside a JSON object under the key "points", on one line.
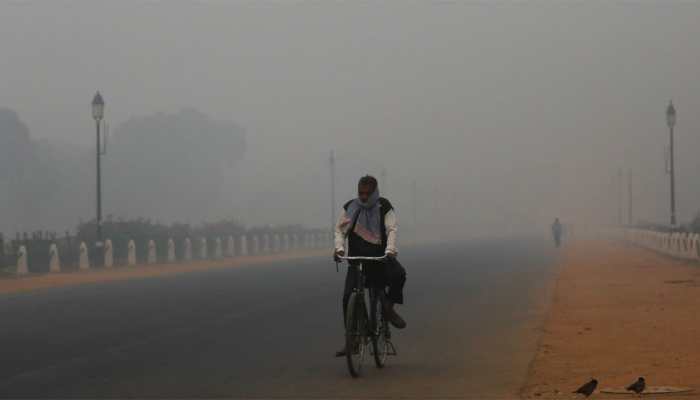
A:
{"points": [[271, 330]]}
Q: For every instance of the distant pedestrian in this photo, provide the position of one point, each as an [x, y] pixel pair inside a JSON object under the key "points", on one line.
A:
{"points": [[557, 230]]}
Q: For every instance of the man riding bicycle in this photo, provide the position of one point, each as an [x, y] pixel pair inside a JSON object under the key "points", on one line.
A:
{"points": [[369, 225]]}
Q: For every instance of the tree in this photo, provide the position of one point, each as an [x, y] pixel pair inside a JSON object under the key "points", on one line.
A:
{"points": [[170, 166], [22, 176]]}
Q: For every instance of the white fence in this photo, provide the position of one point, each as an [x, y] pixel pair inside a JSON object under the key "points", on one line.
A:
{"points": [[261, 244], [684, 246]]}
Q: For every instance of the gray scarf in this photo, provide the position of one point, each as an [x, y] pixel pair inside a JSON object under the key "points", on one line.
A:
{"points": [[368, 217]]}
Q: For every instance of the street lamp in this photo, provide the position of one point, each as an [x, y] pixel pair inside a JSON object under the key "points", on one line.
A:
{"points": [[98, 109], [332, 164], [671, 122]]}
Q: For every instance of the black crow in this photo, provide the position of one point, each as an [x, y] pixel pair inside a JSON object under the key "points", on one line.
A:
{"points": [[588, 388], [638, 387]]}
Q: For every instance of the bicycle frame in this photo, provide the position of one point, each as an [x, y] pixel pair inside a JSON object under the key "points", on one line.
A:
{"points": [[377, 328], [360, 287]]}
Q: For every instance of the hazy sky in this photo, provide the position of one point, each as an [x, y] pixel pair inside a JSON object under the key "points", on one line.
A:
{"points": [[504, 112]]}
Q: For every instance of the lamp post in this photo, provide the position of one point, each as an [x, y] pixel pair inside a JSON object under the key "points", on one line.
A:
{"points": [[630, 219], [620, 222], [382, 181], [671, 122], [98, 108], [332, 164]]}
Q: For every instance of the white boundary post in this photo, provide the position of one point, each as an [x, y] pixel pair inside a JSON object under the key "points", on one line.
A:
{"points": [[54, 260], [187, 250], [22, 266], [131, 253], [109, 254], [84, 258], [152, 255], [244, 245], [171, 251]]}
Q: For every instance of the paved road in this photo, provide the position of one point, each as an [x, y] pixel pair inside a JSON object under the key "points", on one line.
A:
{"points": [[271, 330]]}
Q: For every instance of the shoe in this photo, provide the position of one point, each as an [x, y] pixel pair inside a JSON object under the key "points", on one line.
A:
{"points": [[393, 317], [343, 352]]}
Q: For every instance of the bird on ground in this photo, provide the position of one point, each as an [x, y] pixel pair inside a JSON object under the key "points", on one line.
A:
{"points": [[638, 386], [588, 388]]}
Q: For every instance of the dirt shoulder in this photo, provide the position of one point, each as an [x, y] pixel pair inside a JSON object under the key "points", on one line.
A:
{"points": [[618, 313], [34, 282]]}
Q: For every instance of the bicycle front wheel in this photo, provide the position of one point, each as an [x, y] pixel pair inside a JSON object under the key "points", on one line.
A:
{"points": [[355, 334], [380, 345]]}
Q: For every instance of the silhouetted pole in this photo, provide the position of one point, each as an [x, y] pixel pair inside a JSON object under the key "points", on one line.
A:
{"points": [[415, 209], [99, 188], [671, 122], [630, 219], [383, 184], [2, 251], [620, 186], [98, 106], [332, 163]]}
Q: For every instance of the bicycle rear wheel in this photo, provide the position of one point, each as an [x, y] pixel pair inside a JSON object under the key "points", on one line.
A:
{"points": [[380, 345], [355, 334]]}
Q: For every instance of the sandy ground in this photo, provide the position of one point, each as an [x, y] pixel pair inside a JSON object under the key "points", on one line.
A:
{"points": [[33, 282], [618, 313]]}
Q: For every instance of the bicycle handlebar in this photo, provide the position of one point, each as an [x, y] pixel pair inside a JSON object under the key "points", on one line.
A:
{"points": [[384, 257]]}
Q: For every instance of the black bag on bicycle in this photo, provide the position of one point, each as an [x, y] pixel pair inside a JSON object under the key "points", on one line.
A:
{"points": [[396, 277]]}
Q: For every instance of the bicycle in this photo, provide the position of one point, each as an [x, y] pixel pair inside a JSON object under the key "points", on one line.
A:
{"points": [[363, 328]]}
